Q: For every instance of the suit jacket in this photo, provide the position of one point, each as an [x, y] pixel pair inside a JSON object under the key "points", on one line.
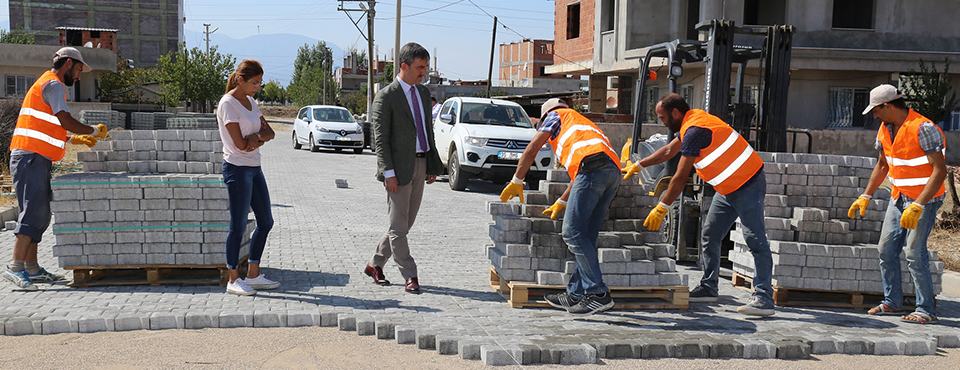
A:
{"points": [[396, 133]]}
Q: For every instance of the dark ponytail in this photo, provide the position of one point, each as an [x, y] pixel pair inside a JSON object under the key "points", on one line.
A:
{"points": [[248, 68]]}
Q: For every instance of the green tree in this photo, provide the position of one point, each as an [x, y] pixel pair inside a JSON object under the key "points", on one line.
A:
{"points": [[126, 85], [272, 92], [312, 81], [388, 74], [16, 37], [493, 92], [355, 101], [927, 91], [193, 75]]}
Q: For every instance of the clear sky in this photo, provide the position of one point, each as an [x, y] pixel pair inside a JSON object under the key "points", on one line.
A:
{"points": [[457, 32]]}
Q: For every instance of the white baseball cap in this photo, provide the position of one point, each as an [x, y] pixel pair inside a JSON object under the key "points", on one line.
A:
{"points": [[882, 94], [72, 53], [551, 104]]}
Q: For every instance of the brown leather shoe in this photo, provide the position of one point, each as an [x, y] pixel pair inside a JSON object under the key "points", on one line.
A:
{"points": [[413, 286], [377, 274]]}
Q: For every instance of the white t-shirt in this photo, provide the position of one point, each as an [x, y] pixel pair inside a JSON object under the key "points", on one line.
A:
{"points": [[230, 110]]}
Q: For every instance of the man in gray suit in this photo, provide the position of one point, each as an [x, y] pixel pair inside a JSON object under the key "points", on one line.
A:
{"points": [[406, 160]]}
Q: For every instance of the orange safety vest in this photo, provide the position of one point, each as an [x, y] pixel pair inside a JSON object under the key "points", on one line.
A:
{"points": [[729, 161], [578, 138], [38, 130], [909, 167]]}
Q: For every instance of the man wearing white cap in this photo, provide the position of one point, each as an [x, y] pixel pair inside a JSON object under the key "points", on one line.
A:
{"points": [[38, 140], [911, 154], [594, 170]]}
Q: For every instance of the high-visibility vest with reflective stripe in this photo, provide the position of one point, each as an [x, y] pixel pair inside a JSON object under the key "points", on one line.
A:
{"points": [[729, 161], [38, 130], [909, 167], [578, 138]]}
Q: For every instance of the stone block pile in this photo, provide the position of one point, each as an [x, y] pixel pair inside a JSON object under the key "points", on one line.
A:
{"points": [[134, 205], [141, 121], [112, 119], [156, 151], [814, 244], [527, 246]]}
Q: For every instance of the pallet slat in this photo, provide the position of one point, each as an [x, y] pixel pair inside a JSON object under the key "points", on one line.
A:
{"points": [[521, 294], [95, 275], [797, 297]]}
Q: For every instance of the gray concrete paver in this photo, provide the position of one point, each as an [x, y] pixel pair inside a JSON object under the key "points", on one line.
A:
{"points": [[323, 236]]}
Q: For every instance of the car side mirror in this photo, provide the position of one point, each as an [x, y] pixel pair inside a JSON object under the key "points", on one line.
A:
{"points": [[307, 119], [446, 118]]}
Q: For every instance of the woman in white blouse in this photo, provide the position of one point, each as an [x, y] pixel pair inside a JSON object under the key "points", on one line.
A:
{"points": [[243, 130]]}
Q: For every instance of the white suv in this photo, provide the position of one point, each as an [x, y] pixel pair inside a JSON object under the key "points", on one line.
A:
{"points": [[480, 137]]}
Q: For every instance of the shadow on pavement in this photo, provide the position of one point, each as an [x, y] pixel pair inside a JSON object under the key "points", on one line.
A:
{"points": [[484, 296]]}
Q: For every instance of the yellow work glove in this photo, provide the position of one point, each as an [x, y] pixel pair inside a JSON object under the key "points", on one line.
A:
{"points": [[555, 209], [87, 140], [861, 204], [514, 188], [655, 218], [100, 131], [911, 216], [631, 170]]}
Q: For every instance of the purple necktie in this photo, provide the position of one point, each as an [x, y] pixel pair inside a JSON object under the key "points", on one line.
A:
{"points": [[418, 117]]}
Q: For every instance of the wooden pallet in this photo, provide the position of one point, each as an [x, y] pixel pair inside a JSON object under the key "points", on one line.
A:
{"points": [[521, 294], [784, 296], [87, 276]]}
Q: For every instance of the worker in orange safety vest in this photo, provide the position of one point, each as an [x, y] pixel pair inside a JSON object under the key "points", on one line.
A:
{"points": [[723, 159], [38, 140]]}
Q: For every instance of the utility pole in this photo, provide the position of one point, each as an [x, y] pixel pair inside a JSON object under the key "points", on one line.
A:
{"points": [[207, 35], [493, 45], [368, 9], [396, 43]]}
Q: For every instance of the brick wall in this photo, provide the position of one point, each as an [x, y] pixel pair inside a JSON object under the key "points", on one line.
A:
{"points": [[580, 48]]}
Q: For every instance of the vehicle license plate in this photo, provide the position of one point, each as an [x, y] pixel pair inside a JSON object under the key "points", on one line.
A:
{"points": [[513, 156], [343, 138]]}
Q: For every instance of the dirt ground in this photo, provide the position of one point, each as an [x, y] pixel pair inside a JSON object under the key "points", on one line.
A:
{"points": [[282, 112]]}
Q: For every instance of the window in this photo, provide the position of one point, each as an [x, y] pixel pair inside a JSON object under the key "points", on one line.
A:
{"points": [[18, 85], [652, 96], [846, 105], [766, 12], [693, 17], [573, 21], [303, 114], [686, 91], [856, 14], [74, 37], [608, 15]]}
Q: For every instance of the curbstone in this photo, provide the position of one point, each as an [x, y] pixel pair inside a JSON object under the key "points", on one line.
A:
{"points": [[52, 325], [405, 335], [196, 320], [385, 330], [347, 323], [366, 326], [166, 320], [131, 322], [235, 320]]}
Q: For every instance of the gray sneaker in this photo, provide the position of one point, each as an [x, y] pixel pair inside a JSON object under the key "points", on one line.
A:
{"points": [[20, 279], [757, 307], [45, 276], [560, 300], [702, 294], [590, 304]]}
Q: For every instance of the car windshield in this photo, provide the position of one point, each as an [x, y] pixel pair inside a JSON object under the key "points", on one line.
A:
{"points": [[492, 114], [332, 115]]}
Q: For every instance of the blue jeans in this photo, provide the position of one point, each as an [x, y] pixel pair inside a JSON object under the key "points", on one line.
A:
{"points": [[892, 240], [590, 197], [247, 190], [747, 204]]}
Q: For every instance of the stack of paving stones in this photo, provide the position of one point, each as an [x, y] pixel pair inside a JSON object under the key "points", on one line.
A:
{"points": [[141, 121], [109, 118], [145, 198], [156, 151], [160, 120], [194, 123], [814, 244], [528, 246]]}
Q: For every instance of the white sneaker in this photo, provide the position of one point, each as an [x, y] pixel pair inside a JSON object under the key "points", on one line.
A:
{"points": [[261, 283], [239, 287]]}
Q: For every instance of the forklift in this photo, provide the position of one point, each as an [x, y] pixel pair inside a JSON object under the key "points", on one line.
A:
{"points": [[763, 124]]}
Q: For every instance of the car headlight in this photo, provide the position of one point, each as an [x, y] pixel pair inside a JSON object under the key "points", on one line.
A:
{"points": [[359, 129], [546, 147], [475, 141]]}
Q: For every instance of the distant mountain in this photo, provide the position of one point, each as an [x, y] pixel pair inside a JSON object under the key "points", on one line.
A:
{"points": [[275, 52]]}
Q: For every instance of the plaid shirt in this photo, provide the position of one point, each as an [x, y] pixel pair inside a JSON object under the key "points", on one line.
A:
{"points": [[931, 141], [551, 124]]}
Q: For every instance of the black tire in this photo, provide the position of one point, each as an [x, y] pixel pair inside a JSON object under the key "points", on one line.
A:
{"points": [[358, 151], [313, 145], [458, 179], [296, 144]]}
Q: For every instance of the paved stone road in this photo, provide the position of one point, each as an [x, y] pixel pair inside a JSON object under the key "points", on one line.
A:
{"points": [[324, 235]]}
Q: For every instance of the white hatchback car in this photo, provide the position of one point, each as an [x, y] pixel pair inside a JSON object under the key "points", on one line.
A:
{"points": [[327, 126], [480, 137]]}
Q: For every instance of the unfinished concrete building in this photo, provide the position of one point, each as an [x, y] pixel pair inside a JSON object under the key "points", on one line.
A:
{"points": [[522, 65], [841, 49], [146, 29]]}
